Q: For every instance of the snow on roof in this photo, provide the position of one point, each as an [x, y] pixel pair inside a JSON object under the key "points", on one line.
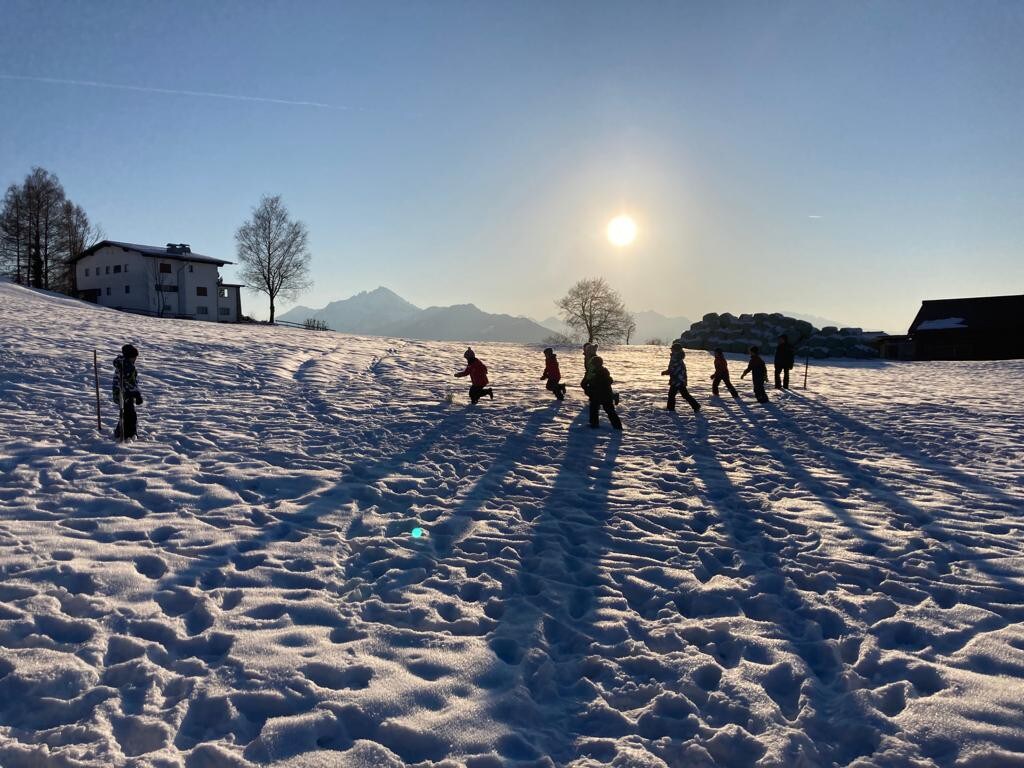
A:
{"points": [[153, 250], [942, 324], [980, 314]]}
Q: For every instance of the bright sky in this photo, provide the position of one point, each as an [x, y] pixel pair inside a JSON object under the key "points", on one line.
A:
{"points": [[840, 159]]}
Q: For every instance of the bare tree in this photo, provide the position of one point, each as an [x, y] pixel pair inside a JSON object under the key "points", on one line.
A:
{"points": [[162, 282], [273, 251], [14, 235], [595, 311], [45, 196], [75, 233], [630, 328]]}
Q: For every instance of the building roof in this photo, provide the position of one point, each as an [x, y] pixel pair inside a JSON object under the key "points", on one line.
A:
{"points": [[231, 285], [163, 252], [983, 313]]}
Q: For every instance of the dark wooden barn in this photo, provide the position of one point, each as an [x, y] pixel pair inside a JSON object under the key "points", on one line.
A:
{"points": [[984, 328]]}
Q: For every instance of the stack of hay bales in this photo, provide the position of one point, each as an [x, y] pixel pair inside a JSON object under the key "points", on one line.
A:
{"points": [[738, 334]]}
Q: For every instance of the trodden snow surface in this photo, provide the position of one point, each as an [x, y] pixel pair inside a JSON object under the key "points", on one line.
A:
{"points": [[832, 579]]}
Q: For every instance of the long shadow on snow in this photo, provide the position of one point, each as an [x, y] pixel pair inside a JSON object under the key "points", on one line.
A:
{"points": [[536, 684], [390, 576], [837, 724], [1001, 600], [822, 490], [206, 569], [905, 511], [945, 471]]}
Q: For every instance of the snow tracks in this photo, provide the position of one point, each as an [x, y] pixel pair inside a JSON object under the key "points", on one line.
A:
{"points": [[833, 579]]}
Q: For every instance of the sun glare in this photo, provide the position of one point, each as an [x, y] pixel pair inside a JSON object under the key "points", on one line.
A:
{"points": [[621, 231]]}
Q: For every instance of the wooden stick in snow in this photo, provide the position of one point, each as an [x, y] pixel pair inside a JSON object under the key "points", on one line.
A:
{"points": [[96, 373]]}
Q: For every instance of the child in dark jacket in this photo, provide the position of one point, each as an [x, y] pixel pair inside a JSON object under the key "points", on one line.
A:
{"points": [[477, 373], [553, 374], [721, 375], [760, 374], [589, 353], [599, 391], [676, 372], [126, 392], [785, 357]]}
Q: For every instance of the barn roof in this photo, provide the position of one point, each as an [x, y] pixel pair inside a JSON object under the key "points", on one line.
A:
{"points": [[983, 313], [164, 252]]}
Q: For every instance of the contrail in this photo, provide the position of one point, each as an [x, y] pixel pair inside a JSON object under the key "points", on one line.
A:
{"points": [[173, 91]]}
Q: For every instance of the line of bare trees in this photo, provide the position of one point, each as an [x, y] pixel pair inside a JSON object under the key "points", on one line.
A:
{"points": [[41, 231]]}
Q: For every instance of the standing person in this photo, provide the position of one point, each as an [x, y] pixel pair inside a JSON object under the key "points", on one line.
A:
{"points": [[553, 374], [601, 395], [721, 375], [589, 353], [760, 374], [126, 393], [785, 357], [676, 372], [477, 373]]}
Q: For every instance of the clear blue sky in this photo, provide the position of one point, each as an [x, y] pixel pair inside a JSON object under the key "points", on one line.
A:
{"points": [[843, 159]]}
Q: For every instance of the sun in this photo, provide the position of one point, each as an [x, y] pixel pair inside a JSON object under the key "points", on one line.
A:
{"points": [[621, 231]]}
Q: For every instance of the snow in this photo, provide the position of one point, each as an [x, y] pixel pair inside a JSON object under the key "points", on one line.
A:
{"points": [[942, 324], [832, 579]]}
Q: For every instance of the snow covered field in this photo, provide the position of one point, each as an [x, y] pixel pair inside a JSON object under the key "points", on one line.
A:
{"points": [[833, 579]]}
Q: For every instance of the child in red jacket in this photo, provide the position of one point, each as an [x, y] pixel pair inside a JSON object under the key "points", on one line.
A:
{"points": [[553, 374], [721, 375], [477, 373]]}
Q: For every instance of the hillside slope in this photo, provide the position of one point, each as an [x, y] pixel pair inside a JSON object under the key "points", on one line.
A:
{"points": [[834, 576]]}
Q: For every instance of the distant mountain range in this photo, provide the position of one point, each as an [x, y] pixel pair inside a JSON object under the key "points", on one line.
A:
{"points": [[367, 312], [382, 312]]}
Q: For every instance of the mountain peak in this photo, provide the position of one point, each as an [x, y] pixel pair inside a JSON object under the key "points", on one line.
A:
{"points": [[365, 312], [383, 312]]}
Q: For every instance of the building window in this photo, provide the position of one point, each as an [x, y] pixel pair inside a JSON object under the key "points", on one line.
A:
{"points": [[202, 311], [189, 267], [125, 267], [107, 271], [200, 290], [167, 307], [166, 288], [117, 269], [127, 289], [108, 290], [165, 268], [225, 311], [223, 292], [86, 271]]}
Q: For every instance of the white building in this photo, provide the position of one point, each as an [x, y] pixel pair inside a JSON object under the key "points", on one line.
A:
{"points": [[166, 282]]}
